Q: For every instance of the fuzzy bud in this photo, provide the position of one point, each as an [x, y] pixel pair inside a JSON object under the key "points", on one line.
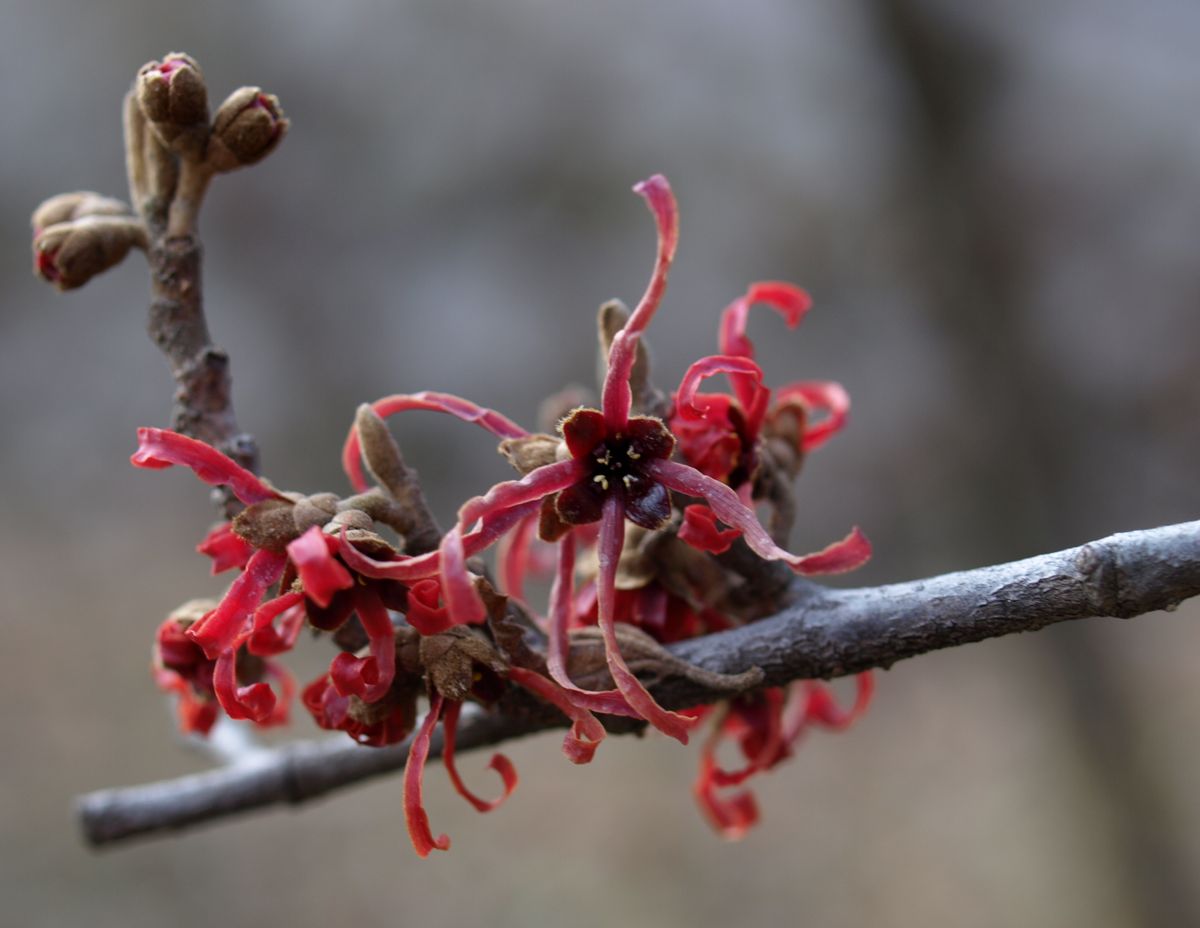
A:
{"points": [[69, 206], [530, 452], [192, 611], [247, 127], [172, 95], [69, 254]]}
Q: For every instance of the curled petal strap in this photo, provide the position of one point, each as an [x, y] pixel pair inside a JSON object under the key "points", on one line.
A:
{"points": [[369, 677], [821, 708], [226, 548], [766, 743], [217, 631], [196, 715], [266, 640], [513, 558], [788, 300], [319, 572], [255, 702], [822, 396], [562, 605], [409, 569], [732, 816], [425, 612], [586, 731], [612, 538], [501, 764], [700, 530], [414, 771], [489, 419], [852, 551], [159, 448], [617, 396], [457, 587], [746, 377]]}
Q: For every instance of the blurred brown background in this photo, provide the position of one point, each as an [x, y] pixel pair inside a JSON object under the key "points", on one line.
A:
{"points": [[998, 214]]}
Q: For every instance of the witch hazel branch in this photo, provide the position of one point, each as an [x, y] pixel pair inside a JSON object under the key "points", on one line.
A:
{"points": [[659, 519]]}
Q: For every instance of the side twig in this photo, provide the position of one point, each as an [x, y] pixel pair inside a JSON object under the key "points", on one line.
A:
{"points": [[825, 633]]}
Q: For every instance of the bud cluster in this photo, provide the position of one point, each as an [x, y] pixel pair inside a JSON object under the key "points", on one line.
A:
{"points": [[173, 99], [172, 150], [78, 235]]}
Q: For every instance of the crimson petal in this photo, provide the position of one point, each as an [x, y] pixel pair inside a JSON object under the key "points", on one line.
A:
{"points": [[501, 764], [159, 448], [255, 702], [852, 551], [562, 603], [488, 419], [731, 816], [818, 396], [226, 548], [217, 630], [320, 573], [266, 640], [612, 539], [616, 395], [414, 771], [700, 530], [586, 731], [788, 300]]}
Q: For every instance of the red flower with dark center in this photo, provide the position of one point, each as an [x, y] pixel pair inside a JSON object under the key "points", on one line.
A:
{"points": [[619, 469], [613, 463]]}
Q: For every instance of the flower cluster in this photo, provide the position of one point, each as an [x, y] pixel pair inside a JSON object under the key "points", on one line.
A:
{"points": [[633, 507]]}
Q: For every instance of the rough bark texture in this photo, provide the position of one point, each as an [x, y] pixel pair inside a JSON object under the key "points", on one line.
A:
{"points": [[824, 633], [203, 406]]}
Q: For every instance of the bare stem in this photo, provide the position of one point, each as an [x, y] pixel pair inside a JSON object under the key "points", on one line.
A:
{"points": [[825, 633], [203, 399]]}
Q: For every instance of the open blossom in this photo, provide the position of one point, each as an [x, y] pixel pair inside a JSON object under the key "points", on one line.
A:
{"points": [[614, 468]]}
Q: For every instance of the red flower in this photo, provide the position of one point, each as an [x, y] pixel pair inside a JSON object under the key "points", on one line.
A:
{"points": [[181, 667], [246, 618], [765, 726], [617, 468], [719, 432], [334, 711]]}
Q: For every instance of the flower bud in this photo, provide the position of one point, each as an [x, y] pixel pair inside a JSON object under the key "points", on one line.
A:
{"points": [[247, 127], [172, 95], [529, 452], [68, 206], [69, 254]]}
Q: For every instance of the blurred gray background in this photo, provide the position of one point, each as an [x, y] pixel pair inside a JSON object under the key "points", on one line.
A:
{"points": [[997, 211]]}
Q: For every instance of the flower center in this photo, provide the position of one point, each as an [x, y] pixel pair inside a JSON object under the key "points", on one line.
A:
{"points": [[615, 462]]}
